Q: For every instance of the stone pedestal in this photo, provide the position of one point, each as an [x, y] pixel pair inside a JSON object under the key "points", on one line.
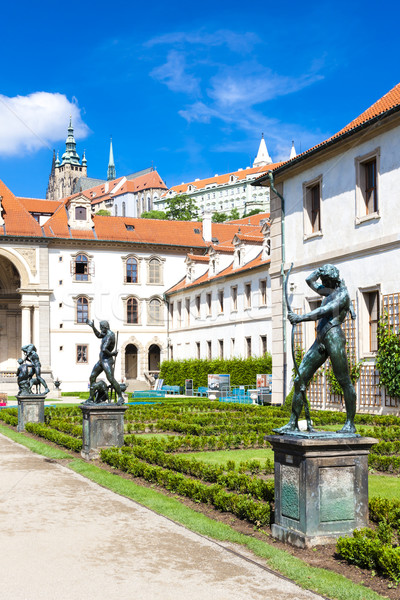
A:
{"points": [[30, 410], [103, 426], [321, 487]]}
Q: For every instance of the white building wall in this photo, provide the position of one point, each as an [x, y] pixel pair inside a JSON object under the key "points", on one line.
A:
{"points": [[366, 251], [245, 322], [106, 291]]}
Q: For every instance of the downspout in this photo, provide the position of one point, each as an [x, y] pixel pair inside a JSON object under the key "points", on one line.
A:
{"points": [[167, 305], [270, 178]]}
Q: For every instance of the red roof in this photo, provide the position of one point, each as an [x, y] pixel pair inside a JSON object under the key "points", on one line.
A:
{"points": [[116, 187], [252, 220], [219, 179], [17, 219], [389, 101], [205, 278], [34, 205]]}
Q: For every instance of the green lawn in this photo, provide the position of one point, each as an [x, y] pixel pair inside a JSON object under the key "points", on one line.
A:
{"points": [[222, 456], [385, 486]]}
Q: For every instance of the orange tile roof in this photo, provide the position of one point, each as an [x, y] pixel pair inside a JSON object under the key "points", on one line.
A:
{"points": [[220, 179], [390, 102], [17, 219], [198, 257], [254, 239], [252, 220], [205, 278], [37, 205]]}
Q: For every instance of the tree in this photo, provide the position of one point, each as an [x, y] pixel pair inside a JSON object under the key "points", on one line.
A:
{"points": [[103, 213], [219, 217], [255, 211], [234, 214], [154, 214], [181, 208]]}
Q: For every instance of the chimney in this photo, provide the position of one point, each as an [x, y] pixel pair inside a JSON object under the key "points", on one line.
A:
{"points": [[207, 235]]}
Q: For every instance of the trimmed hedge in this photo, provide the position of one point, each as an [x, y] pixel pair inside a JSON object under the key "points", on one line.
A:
{"points": [[243, 371], [55, 436], [243, 507], [9, 416]]}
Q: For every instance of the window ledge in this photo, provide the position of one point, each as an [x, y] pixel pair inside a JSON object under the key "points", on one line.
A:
{"points": [[82, 281], [312, 236], [369, 355], [372, 217]]}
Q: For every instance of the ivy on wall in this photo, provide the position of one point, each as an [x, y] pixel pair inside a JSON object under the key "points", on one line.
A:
{"points": [[388, 358]]}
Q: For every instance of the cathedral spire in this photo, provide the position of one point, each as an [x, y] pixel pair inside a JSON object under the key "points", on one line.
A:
{"points": [[111, 174], [262, 158], [293, 152], [70, 155]]}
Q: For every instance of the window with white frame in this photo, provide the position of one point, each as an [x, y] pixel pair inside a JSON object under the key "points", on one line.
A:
{"points": [[221, 348], [179, 309], [208, 303], [248, 347], [370, 321], [209, 350], [82, 267], [198, 355], [312, 207], [155, 312], [187, 311], [263, 292], [132, 311], [263, 344], [131, 270], [82, 353], [197, 301], [234, 295], [81, 309], [221, 301], [367, 170], [247, 295], [154, 271]]}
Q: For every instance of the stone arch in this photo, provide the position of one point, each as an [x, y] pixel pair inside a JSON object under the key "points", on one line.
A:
{"points": [[155, 341], [20, 264], [140, 353]]}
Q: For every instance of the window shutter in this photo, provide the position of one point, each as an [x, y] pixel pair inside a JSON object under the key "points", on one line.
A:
{"points": [[91, 268], [72, 267]]}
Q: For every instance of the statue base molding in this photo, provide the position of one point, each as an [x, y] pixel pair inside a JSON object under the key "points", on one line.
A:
{"points": [[30, 409], [103, 427], [321, 487]]}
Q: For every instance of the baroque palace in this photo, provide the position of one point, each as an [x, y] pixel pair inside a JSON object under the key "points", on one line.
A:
{"points": [[174, 289]]}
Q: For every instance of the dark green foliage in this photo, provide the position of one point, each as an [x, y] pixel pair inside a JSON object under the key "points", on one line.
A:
{"points": [[103, 212], [219, 217], [372, 549], [242, 371], [243, 507], [388, 358], [181, 208], [54, 436], [234, 215], [9, 416], [255, 211], [154, 214]]}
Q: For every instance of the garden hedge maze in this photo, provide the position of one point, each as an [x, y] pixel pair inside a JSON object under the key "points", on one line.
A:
{"points": [[245, 489]]}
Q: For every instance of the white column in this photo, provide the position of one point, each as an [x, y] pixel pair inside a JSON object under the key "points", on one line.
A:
{"points": [[35, 335], [26, 335]]}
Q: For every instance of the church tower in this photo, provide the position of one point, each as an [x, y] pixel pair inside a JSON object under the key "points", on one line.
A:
{"points": [[65, 174], [111, 174], [263, 158]]}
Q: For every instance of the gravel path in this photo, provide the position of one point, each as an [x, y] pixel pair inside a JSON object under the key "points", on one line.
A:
{"points": [[63, 537]]}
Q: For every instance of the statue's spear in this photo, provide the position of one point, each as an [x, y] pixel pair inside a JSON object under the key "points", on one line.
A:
{"points": [[296, 366]]}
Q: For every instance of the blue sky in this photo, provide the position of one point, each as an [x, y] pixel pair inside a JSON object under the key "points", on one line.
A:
{"points": [[186, 87]]}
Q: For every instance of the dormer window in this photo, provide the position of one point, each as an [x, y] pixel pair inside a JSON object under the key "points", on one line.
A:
{"points": [[80, 213]]}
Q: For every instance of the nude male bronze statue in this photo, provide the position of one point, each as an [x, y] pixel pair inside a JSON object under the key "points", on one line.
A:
{"points": [[330, 343]]}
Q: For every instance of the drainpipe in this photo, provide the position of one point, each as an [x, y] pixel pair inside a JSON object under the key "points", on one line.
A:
{"points": [[167, 305], [270, 178]]}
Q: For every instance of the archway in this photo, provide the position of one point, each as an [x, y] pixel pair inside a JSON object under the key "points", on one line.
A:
{"points": [[10, 315], [154, 359], [131, 361]]}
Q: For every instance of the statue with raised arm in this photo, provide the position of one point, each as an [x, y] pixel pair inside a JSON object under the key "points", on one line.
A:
{"points": [[30, 367], [105, 362], [330, 343]]}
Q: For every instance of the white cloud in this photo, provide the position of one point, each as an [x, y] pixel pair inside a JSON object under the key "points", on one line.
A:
{"points": [[28, 123], [174, 75], [237, 42]]}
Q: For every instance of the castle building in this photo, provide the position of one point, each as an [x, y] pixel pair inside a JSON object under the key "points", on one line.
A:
{"points": [[222, 193], [65, 174]]}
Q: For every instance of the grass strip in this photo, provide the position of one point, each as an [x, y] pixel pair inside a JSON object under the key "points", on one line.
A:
{"points": [[331, 585], [33, 445]]}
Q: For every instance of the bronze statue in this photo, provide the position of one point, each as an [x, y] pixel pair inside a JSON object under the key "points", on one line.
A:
{"points": [[105, 363], [330, 343], [28, 368]]}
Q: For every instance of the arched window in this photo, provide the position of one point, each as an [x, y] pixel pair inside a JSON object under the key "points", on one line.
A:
{"points": [[132, 311], [82, 309], [155, 316], [124, 209], [80, 213], [154, 271], [81, 265], [116, 210], [131, 271], [148, 203]]}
